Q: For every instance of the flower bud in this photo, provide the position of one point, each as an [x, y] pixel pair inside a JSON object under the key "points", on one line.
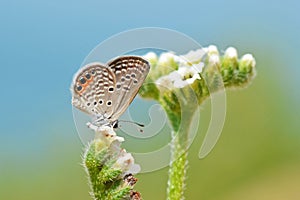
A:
{"points": [[247, 63]]}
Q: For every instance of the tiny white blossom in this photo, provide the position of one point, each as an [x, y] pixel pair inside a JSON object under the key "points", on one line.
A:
{"points": [[125, 162], [151, 56], [231, 52], [105, 133], [165, 57], [179, 83], [197, 68], [249, 59], [167, 82], [214, 59], [194, 56], [164, 83], [191, 80], [180, 60], [106, 137], [212, 49], [178, 79]]}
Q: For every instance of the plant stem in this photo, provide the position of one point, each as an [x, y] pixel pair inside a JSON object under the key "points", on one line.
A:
{"points": [[179, 161]]}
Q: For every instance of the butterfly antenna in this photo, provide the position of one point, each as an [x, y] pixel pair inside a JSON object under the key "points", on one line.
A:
{"points": [[136, 123]]}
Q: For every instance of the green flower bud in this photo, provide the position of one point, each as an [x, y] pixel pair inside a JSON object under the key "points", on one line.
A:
{"points": [[247, 63]]}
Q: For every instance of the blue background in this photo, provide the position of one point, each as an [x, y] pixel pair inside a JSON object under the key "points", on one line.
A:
{"points": [[43, 43]]}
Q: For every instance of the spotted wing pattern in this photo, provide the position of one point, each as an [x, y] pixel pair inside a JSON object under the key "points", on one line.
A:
{"points": [[105, 91], [130, 73], [92, 90]]}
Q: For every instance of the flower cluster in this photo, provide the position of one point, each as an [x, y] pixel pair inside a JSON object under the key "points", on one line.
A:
{"points": [[110, 168], [205, 70], [181, 83]]}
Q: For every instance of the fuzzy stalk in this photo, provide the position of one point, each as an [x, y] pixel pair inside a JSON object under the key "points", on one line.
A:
{"points": [[179, 162]]}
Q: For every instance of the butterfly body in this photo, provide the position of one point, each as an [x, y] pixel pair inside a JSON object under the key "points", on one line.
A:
{"points": [[104, 91]]}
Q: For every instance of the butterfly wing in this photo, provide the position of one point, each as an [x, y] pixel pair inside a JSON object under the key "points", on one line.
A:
{"points": [[91, 90], [130, 73]]}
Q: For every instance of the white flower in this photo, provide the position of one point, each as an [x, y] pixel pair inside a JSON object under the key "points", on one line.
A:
{"points": [[165, 58], [197, 68], [212, 50], [249, 59], [182, 61], [184, 72], [125, 162], [150, 56], [182, 83], [214, 59], [231, 52], [178, 78], [194, 56], [105, 133], [106, 137]]}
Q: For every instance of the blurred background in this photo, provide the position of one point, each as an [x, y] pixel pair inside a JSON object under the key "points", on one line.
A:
{"points": [[43, 43]]}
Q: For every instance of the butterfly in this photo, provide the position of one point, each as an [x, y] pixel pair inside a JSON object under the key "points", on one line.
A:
{"points": [[105, 91]]}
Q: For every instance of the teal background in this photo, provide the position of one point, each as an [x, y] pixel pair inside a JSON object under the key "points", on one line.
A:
{"points": [[42, 44]]}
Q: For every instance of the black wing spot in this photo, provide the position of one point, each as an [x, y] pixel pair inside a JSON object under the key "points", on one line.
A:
{"points": [[111, 89], [108, 103], [88, 76], [82, 80], [79, 88]]}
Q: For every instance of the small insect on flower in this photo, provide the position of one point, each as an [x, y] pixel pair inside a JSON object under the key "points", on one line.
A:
{"points": [[105, 91]]}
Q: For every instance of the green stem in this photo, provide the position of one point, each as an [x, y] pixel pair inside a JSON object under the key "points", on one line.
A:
{"points": [[177, 171], [180, 122], [178, 165]]}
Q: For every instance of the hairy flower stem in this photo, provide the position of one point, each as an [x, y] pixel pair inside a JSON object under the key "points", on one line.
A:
{"points": [[179, 162], [180, 106]]}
